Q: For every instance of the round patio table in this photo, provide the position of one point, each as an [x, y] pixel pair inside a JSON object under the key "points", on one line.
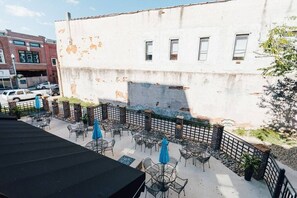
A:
{"points": [[99, 146], [163, 177]]}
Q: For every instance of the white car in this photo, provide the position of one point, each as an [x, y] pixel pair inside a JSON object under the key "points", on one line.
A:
{"points": [[46, 85], [20, 94]]}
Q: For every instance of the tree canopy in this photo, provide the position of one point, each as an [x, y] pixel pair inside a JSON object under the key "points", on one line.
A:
{"points": [[281, 44]]}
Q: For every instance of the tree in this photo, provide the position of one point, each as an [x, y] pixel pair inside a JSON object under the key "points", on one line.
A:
{"points": [[281, 44]]}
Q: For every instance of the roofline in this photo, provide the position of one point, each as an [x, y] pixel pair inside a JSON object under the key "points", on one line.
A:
{"points": [[138, 11]]}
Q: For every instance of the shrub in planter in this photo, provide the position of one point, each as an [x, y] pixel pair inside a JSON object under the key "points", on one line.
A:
{"points": [[85, 119], [249, 163], [17, 112]]}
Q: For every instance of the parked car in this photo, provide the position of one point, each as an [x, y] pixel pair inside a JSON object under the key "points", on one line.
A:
{"points": [[20, 94], [47, 85], [56, 91]]}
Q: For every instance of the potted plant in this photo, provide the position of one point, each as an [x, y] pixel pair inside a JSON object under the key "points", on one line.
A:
{"points": [[85, 119], [249, 163], [17, 112]]}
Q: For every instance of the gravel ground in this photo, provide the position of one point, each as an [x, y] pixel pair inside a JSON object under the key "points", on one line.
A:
{"points": [[286, 156]]}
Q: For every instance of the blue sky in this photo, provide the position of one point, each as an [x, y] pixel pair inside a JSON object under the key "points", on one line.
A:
{"points": [[37, 17]]}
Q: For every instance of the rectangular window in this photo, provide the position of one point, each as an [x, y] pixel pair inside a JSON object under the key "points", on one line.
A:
{"points": [[54, 61], [173, 49], [203, 49], [18, 42], [149, 50], [240, 46], [2, 59], [29, 57], [34, 44]]}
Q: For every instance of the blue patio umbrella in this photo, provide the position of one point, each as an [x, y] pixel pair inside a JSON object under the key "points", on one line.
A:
{"points": [[37, 104], [164, 159], [164, 155], [97, 134]]}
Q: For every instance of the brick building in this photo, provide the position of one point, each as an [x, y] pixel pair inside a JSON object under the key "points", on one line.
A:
{"points": [[35, 57]]}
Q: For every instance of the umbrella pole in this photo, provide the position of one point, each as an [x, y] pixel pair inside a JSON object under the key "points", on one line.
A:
{"points": [[97, 146], [101, 145]]}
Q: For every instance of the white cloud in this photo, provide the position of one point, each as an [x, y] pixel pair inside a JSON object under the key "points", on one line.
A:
{"points": [[24, 28], [22, 11], [44, 23], [75, 2], [92, 8]]}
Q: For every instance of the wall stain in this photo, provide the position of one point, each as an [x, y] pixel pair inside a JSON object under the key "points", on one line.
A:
{"points": [[61, 31], [181, 14], [73, 88], [120, 94], [71, 48], [93, 47]]}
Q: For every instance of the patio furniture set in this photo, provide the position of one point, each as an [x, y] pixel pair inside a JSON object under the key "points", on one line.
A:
{"points": [[196, 151], [41, 119], [163, 177]]}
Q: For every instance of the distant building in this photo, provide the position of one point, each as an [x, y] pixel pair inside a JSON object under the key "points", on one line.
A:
{"points": [[200, 59], [35, 58]]}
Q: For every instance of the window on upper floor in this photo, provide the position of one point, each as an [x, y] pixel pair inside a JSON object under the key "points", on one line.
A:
{"points": [[203, 49], [34, 44], [2, 59], [149, 50], [18, 42], [29, 57], [173, 49], [240, 46], [54, 61]]}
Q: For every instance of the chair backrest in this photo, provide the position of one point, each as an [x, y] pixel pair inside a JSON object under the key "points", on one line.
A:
{"points": [[48, 121], [173, 161], [112, 142], [182, 182], [153, 188], [147, 162], [69, 128]]}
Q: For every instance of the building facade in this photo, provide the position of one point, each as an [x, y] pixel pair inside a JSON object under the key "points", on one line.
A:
{"points": [[200, 59], [32, 57]]}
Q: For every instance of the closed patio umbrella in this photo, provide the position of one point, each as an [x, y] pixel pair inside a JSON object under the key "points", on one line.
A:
{"points": [[164, 156], [37, 103], [97, 134]]}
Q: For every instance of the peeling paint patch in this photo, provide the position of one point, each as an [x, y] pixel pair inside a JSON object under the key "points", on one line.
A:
{"points": [[73, 88], [100, 44], [71, 48], [255, 94], [178, 87], [121, 79], [120, 94], [185, 109], [93, 47], [61, 31]]}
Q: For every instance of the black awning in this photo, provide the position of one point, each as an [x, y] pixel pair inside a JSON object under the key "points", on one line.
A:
{"points": [[35, 163]]}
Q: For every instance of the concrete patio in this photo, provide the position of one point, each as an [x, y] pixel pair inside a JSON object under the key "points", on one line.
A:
{"points": [[216, 181]]}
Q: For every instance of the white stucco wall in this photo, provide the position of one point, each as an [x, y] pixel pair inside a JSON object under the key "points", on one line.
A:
{"points": [[108, 52]]}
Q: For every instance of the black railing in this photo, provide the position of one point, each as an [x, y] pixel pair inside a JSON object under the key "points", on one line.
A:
{"points": [[113, 113], [135, 117], [287, 190], [234, 146], [98, 112], [193, 131], [163, 123]]}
